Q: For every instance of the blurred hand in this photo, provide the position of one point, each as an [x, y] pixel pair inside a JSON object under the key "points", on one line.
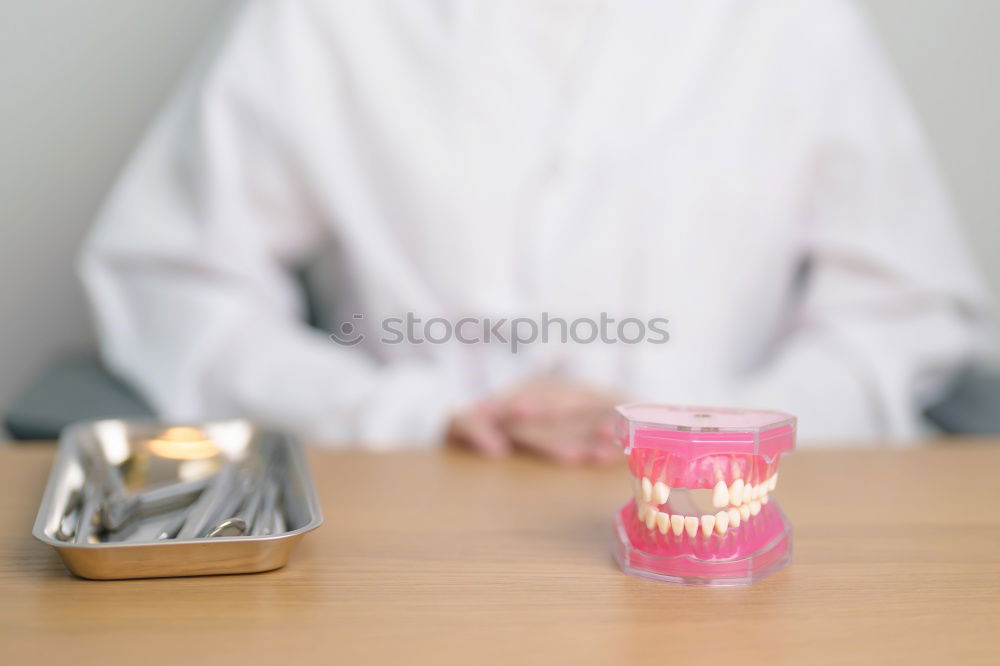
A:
{"points": [[562, 420]]}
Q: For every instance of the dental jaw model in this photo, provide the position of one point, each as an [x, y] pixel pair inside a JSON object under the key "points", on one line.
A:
{"points": [[702, 478]]}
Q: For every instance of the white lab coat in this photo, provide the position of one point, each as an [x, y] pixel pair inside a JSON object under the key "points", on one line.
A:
{"points": [[463, 157]]}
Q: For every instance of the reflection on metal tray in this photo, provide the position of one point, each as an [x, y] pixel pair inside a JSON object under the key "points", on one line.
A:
{"points": [[140, 500]]}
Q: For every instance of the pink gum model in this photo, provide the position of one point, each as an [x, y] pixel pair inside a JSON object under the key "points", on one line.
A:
{"points": [[732, 455]]}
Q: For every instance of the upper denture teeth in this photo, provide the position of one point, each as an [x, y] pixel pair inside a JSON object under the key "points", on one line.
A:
{"points": [[736, 491], [677, 524], [763, 498], [720, 495], [757, 490], [662, 522], [747, 493], [722, 522], [772, 482], [707, 525], [647, 489], [691, 526], [661, 492]]}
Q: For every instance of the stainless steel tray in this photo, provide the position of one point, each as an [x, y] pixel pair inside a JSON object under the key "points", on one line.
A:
{"points": [[147, 456]]}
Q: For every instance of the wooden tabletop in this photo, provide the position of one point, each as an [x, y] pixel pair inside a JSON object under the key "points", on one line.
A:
{"points": [[443, 558]]}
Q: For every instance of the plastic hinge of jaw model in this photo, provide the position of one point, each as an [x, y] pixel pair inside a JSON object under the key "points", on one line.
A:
{"points": [[702, 479]]}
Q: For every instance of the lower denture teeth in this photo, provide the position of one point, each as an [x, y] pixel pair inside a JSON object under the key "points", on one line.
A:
{"points": [[650, 517], [707, 525], [754, 508], [677, 524], [691, 526], [763, 498], [662, 522], [721, 522], [745, 512], [734, 517]]}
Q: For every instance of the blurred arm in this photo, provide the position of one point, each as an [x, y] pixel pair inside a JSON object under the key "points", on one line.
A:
{"points": [[188, 268], [891, 307]]}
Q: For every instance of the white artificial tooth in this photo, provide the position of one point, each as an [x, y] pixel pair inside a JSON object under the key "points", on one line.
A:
{"points": [[754, 507], [647, 489], [641, 513], [745, 512], [661, 492], [734, 517], [650, 517], [691, 526], [757, 490], [677, 524], [763, 498], [736, 492], [707, 525], [720, 495], [662, 522], [722, 522], [747, 493], [773, 482]]}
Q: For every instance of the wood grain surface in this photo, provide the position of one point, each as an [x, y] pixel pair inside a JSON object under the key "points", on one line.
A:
{"points": [[441, 558]]}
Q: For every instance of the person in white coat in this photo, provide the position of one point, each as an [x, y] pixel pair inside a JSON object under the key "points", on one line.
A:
{"points": [[747, 171]]}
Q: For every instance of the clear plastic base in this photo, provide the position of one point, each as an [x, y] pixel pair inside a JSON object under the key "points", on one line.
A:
{"points": [[701, 566]]}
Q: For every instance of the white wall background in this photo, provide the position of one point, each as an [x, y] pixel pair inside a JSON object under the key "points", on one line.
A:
{"points": [[80, 79]]}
